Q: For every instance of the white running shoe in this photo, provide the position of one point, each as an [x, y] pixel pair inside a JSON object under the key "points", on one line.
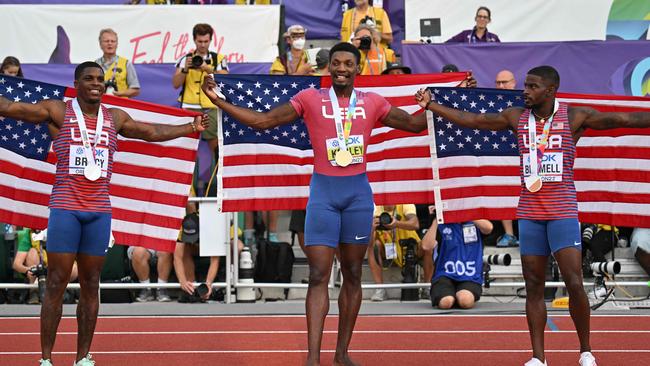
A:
{"points": [[45, 362], [86, 361], [535, 362], [379, 295], [587, 359]]}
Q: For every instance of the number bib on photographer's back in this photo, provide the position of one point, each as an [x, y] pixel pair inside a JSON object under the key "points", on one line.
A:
{"points": [[460, 255]]}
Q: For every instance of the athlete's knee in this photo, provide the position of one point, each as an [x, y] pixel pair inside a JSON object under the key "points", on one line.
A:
{"points": [[573, 283], [446, 302], [318, 275], [465, 299]]}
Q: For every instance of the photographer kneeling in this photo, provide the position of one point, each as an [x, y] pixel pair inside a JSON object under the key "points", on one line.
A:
{"points": [[392, 224], [459, 266]]}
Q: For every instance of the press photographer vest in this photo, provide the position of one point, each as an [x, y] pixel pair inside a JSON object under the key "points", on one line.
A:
{"points": [[120, 73], [191, 95]]}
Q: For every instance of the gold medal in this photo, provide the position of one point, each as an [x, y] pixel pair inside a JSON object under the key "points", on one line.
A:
{"points": [[533, 183], [343, 158]]}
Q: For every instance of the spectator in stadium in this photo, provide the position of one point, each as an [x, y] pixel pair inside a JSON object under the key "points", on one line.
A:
{"points": [[640, 245], [373, 58], [479, 33], [296, 60], [141, 258], [191, 69], [11, 66], [322, 62], [505, 79], [373, 17], [385, 242], [458, 277], [120, 75], [395, 68]]}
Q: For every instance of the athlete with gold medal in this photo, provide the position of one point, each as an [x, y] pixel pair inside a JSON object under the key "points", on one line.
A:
{"points": [[547, 210], [340, 207]]}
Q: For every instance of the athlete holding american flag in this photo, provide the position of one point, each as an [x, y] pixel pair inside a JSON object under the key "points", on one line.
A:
{"points": [[547, 131]]}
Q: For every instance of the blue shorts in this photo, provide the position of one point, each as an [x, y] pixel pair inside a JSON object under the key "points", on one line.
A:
{"points": [[339, 210], [71, 231], [543, 237]]}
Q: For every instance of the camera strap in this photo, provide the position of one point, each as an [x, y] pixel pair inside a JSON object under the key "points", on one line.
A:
{"points": [[89, 151], [343, 131]]}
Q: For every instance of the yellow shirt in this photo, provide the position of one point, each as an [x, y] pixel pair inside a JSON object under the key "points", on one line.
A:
{"points": [[352, 18], [278, 66], [394, 236], [374, 61]]}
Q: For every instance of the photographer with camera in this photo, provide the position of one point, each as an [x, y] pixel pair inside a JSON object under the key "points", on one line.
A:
{"points": [[120, 77], [374, 17], [31, 260], [374, 58], [459, 265], [392, 224], [191, 69]]}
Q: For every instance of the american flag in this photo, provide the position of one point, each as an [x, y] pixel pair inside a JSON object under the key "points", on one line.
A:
{"points": [[271, 169], [150, 183], [478, 170]]}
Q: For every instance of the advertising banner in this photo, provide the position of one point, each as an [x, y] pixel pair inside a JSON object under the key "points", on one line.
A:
{"points": [[147, 34]]}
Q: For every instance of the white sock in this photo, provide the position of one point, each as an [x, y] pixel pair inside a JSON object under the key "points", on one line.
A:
{"points": [[161, 281], [145, 281]]}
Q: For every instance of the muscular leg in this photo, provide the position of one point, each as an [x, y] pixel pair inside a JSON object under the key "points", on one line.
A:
{"points": [[90, 267], [570, 262], [349, 299], [534, 267], [317, 304], [59, 268]]}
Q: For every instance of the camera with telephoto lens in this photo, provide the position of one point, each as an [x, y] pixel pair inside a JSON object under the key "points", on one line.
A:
{"points": [[197, 61], [365, 42], [605, 268], [409, 275], [385, 219], [40, 272], [497, 259], [588, 232]]}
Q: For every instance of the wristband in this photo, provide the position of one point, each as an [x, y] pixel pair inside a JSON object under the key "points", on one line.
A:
{"points": [[193, 126]]}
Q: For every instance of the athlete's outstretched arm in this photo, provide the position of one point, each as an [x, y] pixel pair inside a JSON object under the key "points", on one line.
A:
{"points": [[279, 115], [43, 111], [586, 117], [127, 127], [486, 121], [399, 119]]}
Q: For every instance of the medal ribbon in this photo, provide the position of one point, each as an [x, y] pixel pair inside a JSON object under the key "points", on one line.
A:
{"points": [[89, 151], [534, 148], [342, 133]]}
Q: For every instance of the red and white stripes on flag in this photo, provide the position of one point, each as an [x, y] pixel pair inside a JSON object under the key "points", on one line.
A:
{"points": [[266, 176], [149, 187]]}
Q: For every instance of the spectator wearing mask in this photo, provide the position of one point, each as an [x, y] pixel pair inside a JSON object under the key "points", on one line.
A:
{"points": [[395, 68], [141, 258], [458, 277], [295, 61], [191, 69], [374, 59], [368, 15], [11, 66], [478, 34], [119, 74], [505, 79]]}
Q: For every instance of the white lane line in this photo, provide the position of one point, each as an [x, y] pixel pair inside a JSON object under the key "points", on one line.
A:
{"points": [[332, 351], [361, 316], [198, 332]]}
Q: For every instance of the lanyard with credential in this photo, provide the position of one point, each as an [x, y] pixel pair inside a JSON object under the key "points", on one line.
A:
{"points": [[343, 157], [92, 169], [536, 150]]}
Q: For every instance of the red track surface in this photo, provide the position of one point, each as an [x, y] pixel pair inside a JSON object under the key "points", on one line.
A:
{"points": [[386, 340]]}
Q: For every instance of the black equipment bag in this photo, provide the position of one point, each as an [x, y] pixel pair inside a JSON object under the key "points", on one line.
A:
{"points": [[274, 261]]}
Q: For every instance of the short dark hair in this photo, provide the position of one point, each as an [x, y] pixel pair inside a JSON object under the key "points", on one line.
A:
{"points": [[345, 47], [486, 9], [547, 73], [450, 68], [202, 29], [83, 66]]}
